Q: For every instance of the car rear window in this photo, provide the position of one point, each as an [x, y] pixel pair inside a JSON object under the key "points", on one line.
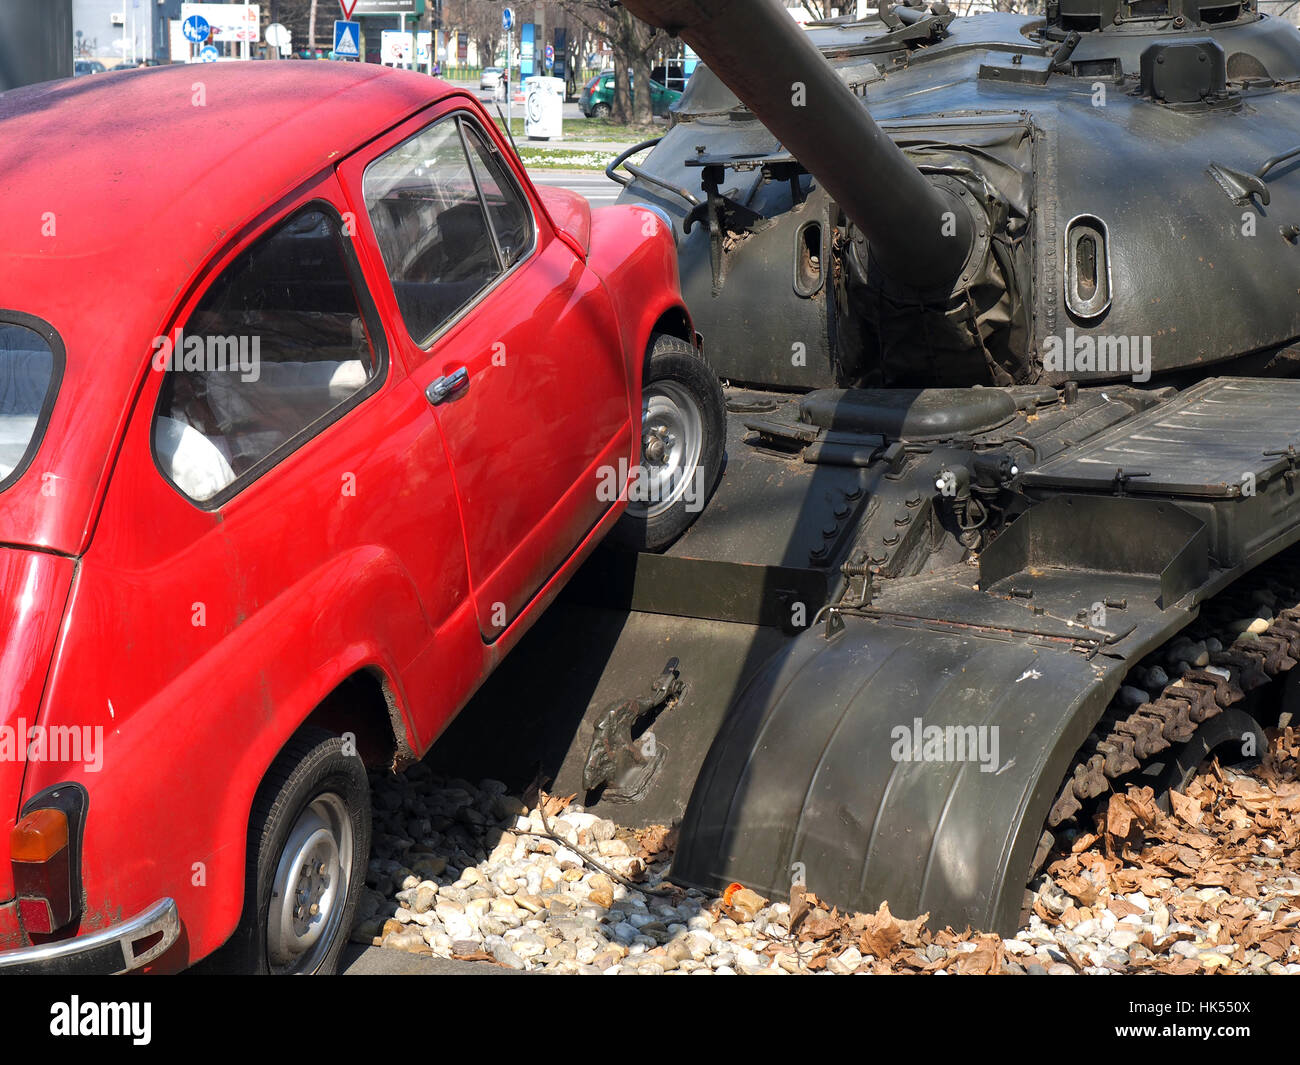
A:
{"points": [[30, 366]]}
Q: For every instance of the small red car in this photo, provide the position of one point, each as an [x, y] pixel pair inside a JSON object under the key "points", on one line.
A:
{"points": [[309, 404]]}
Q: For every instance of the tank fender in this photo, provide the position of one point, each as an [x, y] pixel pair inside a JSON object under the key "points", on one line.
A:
{"points": [[817, 773]]}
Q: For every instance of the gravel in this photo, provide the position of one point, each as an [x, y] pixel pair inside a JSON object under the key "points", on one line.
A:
{"points": [[458, 871]]}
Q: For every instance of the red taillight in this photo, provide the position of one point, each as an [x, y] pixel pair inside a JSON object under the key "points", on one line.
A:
{"points": [[43, 873]]}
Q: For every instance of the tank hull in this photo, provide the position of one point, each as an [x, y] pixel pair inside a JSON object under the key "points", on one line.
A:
{"points": [[907, 744]]}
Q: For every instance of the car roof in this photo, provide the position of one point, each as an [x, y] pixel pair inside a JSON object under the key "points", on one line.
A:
{"points": [[114, 193], [205, 148]]}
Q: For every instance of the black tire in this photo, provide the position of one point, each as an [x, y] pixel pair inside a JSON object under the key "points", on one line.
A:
{"points": [[1224, 736], [311, 774], [676, 380], [601, 111]]}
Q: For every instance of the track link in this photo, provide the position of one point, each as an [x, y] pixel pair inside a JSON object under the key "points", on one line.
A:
{"points": [[1245, 637]]}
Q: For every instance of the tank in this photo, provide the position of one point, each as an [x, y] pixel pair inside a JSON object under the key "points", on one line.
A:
{"points": [[1006, 308]]}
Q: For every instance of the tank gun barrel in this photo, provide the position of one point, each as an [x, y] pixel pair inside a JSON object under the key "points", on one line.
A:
{"points": [[920, 234]]}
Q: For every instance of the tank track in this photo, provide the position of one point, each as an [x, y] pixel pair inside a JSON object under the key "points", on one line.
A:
{"points": [[1243, 639]]}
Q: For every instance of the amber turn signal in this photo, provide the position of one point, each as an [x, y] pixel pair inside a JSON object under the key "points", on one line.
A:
{"points": [[39, 836]]}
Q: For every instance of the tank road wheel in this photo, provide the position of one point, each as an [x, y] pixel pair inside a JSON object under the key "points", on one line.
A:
{"points": [[308, 844], [683, 431], [1234, 737]]}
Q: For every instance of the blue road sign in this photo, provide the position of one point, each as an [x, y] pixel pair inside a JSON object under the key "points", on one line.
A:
{"points": [[507, 19], [196, 29], [550, 54], [347, 39], [209, 54]]}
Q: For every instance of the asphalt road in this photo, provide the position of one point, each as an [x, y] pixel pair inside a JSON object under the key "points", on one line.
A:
{"points": [[375, 961], [595, 186]]}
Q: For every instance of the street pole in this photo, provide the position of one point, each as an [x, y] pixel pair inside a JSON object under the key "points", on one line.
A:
{"points": [[510, 36]]}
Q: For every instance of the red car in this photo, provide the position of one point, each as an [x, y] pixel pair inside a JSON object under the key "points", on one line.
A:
{"points": [[309, 404]]}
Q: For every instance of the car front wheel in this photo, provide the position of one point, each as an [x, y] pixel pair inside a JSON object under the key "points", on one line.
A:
{"points": [[683, 433], [308, 844]]}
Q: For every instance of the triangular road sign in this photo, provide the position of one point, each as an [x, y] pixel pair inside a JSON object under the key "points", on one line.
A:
{"points": [[347, 42]]}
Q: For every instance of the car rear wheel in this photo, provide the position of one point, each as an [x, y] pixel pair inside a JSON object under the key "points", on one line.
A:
{"points": [[601, 111], [683, 432], [308, 844]]}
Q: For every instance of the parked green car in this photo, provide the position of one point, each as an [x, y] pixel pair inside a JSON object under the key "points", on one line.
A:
{"points": [[597, 98]]}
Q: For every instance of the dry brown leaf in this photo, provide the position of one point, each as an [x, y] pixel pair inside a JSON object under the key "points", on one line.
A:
{"points": [[1185, 808], [1121, 907]]}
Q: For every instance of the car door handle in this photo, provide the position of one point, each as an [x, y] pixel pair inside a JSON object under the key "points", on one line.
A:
{"points": [[446, 387]]}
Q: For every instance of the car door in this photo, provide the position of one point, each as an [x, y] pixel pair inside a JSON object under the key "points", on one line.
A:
{"points": [[513, 339]]}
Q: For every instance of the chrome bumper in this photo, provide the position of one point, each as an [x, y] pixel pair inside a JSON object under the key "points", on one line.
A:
{"points": [[107, 951]]}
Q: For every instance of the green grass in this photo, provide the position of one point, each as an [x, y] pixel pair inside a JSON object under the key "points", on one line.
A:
{"points": [[556, 157]]}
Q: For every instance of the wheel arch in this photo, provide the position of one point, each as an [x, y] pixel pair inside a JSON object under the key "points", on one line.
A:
{"points": [[675, 322], [361, 702]]}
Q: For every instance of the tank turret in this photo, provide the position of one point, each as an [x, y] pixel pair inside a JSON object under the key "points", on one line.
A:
{"points": [[1106, 193], [922, 232]]}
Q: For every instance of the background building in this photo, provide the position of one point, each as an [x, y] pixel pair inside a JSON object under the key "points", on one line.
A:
{"points": [[122, 31]]}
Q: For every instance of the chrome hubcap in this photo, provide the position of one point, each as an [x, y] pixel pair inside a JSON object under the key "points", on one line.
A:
{"points": [[672, 438], [310, 887]]}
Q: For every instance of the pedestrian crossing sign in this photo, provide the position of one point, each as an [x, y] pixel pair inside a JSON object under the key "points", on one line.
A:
{"points": [[347, 39]]}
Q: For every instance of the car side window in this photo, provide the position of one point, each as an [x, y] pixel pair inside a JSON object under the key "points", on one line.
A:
{"points": [[277, 343], [511, 220], [442, 244], [29, 376]]}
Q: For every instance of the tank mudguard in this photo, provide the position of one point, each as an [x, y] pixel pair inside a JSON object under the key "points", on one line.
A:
{"points": [[818, 774]]}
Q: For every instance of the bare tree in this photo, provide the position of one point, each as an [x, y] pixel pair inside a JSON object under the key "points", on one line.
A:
{"points": [[633, 44]]}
